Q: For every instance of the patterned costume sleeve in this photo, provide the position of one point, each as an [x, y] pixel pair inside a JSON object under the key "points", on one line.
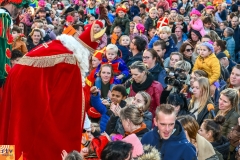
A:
{"points": [[5, 45]]}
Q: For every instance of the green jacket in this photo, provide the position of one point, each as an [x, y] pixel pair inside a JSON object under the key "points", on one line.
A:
{"points": [[123, 23]]}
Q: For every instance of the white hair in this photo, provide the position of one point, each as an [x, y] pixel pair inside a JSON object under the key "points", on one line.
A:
{"points": [[112, 46]]}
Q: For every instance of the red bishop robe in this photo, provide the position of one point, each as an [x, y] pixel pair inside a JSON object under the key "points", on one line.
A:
{"points": [[41, 111]]}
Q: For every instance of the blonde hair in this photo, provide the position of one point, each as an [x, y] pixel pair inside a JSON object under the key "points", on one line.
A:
{"points": [[213, 36], [183, 65], [205, 94], [133, 113], [147, 100], [233, 96], [180, 17], [165, 29], [113, 47], [153, 9], [120, 39]]}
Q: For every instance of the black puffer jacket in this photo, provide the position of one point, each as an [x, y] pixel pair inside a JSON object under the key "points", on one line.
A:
{"points": [[30, 44], [222, 146]]}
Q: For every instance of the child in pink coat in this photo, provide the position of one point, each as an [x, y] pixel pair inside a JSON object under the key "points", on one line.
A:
{"points": [[196, 23]]}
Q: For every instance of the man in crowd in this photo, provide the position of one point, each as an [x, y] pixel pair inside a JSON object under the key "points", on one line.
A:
{"points": [[170, 134]]}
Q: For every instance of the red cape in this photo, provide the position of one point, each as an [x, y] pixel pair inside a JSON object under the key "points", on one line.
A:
{"points": [[43, 106]]}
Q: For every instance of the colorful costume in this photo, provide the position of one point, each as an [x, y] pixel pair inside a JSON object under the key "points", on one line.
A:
{"points": [[43, 105], [6, 40]]}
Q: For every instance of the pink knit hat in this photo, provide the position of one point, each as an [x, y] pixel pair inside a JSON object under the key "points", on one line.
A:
{"points": [[209, 7], [194, 11], [140, 28], [137, 145]]}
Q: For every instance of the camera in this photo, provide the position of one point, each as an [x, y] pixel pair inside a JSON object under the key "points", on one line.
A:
{"points": [[175, 77]]}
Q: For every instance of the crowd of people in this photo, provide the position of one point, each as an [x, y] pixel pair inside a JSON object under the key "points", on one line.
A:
{"points": [[163, 83]]}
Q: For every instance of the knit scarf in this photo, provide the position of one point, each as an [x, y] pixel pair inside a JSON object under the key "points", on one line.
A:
{"points": [[143, 86]]}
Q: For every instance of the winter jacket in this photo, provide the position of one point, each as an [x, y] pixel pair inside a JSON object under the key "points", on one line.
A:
{"points": [[102, 109], [231, 120], [223, 15], [123, 23], [30, 44], [175, 148], [236, 38], [159, 74], [171, 47], [198, 26], [118, 65], [150, 23], [230, 47], [134, 11], [231, 65], [20, 45], [27, 19], [155, 91], [204, 114], [125, 52], [209, 64], [205, 149], [132, 59], [222, 146]]}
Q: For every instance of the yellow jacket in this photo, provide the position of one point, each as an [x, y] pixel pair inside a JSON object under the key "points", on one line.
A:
{"points": [[209, 64]]}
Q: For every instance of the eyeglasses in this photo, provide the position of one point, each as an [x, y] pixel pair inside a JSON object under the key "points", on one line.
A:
{"points": [[145, 57], [188, 50]]}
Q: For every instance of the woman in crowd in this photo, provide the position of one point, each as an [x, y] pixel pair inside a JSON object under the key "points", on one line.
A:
{"points": [[142, 80], [154, 65], [142, 100], [200, 99], [187, 50], [211, 130], [193, 37], [205, 150], [23, 29], [132, 121], [35, 38], [234, 80], [228, 108], [106, 75]]}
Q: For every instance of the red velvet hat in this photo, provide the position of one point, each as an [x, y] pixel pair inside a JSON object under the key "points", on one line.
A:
{"points": [[91, 40], [98, 144], [162, 22], [93, 113]]}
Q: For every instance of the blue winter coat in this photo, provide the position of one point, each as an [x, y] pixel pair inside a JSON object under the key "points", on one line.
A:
{"points": [[102, 109], [231, 47], [175, 148]]}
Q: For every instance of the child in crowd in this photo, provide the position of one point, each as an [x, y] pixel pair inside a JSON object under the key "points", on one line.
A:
{"points": [[119, 67], [180, 23], [15, 56], [173, 15], [92, 9], [208, 62], [28, 17], [18, 43], [122, 21], [123, 46], [165, 35], [207, 23], [139, 31], [152, 19], [196, 23]]}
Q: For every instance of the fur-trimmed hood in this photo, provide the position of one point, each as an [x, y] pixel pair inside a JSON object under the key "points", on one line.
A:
{"points": [[150, 153]]}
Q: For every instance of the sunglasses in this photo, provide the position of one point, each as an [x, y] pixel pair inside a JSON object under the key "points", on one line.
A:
{"points": [[188, 50]]}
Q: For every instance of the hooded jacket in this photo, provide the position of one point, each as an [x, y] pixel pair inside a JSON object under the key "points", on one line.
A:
{"points": [[222, 146], [175, 148]]}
